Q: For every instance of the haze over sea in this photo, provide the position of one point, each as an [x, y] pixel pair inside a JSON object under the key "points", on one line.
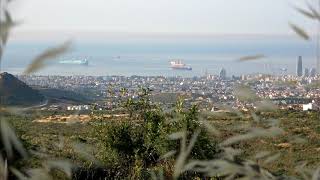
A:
{"points": [[151, 56]]}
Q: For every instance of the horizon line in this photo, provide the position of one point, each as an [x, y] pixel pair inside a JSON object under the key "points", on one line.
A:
{"points": [[150, 33], [44, 35]]}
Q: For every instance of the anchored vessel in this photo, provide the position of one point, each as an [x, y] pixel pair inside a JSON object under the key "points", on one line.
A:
{"points": [[75, 62], [179, 65]]}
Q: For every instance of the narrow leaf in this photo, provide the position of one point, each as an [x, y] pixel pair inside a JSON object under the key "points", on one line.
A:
{"points": [[314, 11], [254, 133], [299, 31], [272, 158], [63, 165], [49, 54], [177, 135], [316, 174], [306, 13], [18, 174], [10, 140], [182, 158], [169, 154], [251, 58]]}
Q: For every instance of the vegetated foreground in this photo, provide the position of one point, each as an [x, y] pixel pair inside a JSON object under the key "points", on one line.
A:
{"points": [[134, 146]]}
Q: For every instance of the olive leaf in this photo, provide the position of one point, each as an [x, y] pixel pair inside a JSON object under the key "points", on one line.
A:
{"points": [[5, 27], [299, 31], [265, 105], [169, 154], [245, 93], [18, 174], [314, 11], [305, 13], [253, 133], [40, 61], [10, 140], [316, 174], [272, 158], [63, 165], [251, 58], [185, 150]]}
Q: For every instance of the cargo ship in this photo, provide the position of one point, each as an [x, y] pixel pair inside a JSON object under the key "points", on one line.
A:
{"points": [[75, 62], [179, 65]]}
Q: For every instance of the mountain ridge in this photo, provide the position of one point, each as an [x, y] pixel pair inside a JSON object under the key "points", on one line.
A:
{"points": [[17, 93]]}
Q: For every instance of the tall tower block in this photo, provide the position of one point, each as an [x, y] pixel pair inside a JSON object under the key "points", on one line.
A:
{"points": [[299, 66]]}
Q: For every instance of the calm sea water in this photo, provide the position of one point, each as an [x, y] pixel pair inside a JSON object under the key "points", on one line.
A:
{"points": [[151, 57]]}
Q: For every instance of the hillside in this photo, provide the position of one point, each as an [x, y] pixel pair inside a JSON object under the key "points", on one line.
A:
{"points": [[17, 93], [282, 154], [63, 96]]}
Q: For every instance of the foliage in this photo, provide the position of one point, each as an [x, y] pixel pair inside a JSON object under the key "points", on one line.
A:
{"points": [[140, 142]]}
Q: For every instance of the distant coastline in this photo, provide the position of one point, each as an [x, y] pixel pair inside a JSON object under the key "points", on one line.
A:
{"points": [[150, 57]]}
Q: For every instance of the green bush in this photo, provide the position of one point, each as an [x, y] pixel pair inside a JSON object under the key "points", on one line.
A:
{"points": [[140, 142], [205, 147]]}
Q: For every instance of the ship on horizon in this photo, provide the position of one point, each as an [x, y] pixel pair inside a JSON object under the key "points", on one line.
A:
{"points": [[179, 65], [75, 62]]}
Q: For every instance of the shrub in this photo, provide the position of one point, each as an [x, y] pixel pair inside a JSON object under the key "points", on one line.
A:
{"points": [[139, 143]]}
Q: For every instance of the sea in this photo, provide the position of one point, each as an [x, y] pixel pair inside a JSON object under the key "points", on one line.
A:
{"points": [[151, 56]]}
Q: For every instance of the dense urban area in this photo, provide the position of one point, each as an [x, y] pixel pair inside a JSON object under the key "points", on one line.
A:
{"points": [[211, 92]]}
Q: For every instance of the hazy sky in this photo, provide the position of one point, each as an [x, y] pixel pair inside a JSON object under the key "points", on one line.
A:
{"points": [[160, 16]]}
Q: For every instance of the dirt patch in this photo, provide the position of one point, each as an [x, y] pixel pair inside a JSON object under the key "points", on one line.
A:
{"points": [[65, 119]]}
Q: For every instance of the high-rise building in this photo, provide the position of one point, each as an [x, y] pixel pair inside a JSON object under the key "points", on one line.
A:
{"points": [[313, 72], [223, 74], [306, 72], [299, 66]]}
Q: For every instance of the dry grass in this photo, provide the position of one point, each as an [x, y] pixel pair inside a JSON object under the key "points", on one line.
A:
{"points": [[299, 143]]}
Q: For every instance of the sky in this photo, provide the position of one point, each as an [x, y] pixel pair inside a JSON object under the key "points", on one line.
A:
{"points": [[198, 17]]}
